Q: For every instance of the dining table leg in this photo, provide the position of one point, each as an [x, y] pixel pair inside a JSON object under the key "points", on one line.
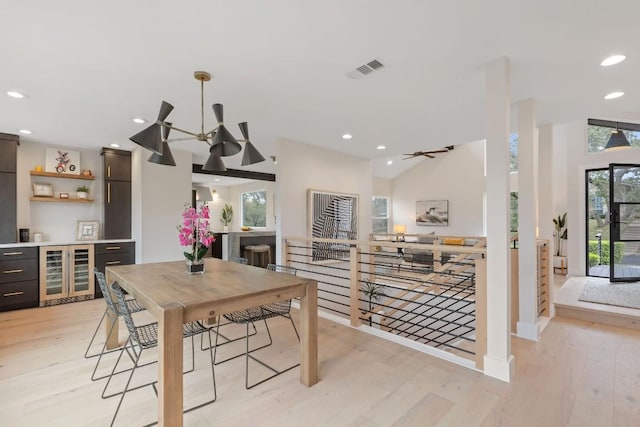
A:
{"points": [[170, 384], [111, 324], [309, 335]]}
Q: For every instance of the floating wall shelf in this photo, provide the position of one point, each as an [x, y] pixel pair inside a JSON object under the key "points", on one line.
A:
{"points": [[62, 175]]}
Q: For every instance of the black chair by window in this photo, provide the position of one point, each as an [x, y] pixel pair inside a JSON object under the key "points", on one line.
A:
{"points": [[261, 313]]}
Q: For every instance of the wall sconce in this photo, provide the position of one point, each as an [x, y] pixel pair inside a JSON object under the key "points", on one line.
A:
{"points": [[275, 161]]}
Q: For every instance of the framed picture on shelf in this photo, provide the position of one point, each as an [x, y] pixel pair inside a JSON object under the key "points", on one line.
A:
{"points": [[42, 190], [62, 161], [88, 230], [64, 195]]}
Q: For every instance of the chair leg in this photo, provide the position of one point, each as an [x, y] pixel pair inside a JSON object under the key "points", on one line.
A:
{"points": [[86, 353], [126, 387], [227, 340], [237, 339], [102, 352], [275, 371]]}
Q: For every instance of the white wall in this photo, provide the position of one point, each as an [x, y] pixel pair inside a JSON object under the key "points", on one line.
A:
{"points": [[159, 195], [382, 187], [457, 176], [301, 167], [57, 220]]}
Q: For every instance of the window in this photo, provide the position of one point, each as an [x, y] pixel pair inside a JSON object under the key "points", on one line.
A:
{"points": [[254, 209], [514, 212], [599, 132], [380, 214], [513, 152]]}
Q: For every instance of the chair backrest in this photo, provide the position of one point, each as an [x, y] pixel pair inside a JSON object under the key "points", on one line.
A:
{"points": [[102, 282], [283, 269], [124, 310], [239, 260]]}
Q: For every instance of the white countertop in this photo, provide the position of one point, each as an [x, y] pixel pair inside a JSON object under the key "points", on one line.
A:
{"points": [[60, 243]]}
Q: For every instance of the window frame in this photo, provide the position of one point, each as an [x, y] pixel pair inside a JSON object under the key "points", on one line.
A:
{"points": [[266, 203], [387, 217]]}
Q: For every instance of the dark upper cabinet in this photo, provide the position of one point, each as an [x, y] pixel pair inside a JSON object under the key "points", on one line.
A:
{"points": [[117, 164], [117, 210], [117, 191], [8, 152], [8, 192]]}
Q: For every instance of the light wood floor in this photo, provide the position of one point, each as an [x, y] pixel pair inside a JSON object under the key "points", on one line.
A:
{"points": [[579, 374]]}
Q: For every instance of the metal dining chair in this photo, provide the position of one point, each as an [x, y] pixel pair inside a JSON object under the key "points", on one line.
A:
{"points": [[227, 340], [144, 337], [132, 305], [255, 314]]}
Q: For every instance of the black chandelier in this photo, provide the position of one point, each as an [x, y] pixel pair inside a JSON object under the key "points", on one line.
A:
{"points": [[221, 142]]}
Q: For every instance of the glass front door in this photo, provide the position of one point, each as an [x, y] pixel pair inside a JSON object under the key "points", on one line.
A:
{"points": [[624, 222]]}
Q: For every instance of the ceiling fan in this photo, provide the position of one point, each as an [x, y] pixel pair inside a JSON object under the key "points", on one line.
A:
{"points": [[429, 154]]}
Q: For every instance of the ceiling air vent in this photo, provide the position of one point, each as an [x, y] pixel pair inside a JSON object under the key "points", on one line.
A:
{"points": [[366, 69]]}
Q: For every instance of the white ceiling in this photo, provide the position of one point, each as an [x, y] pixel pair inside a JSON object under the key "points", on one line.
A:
{"points": [[89, 67]]}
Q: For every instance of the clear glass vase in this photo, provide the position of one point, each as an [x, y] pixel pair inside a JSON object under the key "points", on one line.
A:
{"points": [[195, 266]]}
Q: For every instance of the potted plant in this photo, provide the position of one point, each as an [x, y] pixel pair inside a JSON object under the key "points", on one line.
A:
{"points": [[227, 216], [560, 234], [374, 293], [83, 191], [194, 233]]}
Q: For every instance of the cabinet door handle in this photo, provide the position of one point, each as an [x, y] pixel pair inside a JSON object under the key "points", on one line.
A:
{"points": [[13, 294], [109, 171], [108, 192], [12, 253], [113, 262], [12, 271], [112, 248]]}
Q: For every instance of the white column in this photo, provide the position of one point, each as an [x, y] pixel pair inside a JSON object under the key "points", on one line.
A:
{"points": [[527, 325], [498, 361], [545, 198]]}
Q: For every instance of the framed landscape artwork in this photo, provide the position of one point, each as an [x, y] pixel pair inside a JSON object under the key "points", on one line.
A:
{"points": [[332, 216], [432, 212]]}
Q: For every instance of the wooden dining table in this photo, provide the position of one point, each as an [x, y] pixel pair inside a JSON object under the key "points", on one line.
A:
{"points": [[174, 297]]}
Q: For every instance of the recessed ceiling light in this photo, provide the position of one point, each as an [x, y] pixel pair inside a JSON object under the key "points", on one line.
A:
{"points": [[217, 180], [389, 162], [613, 95], [114, 145], [347, 136], [381, 147], [139, 120], [25, 131], [613, 60], [14, 94]]}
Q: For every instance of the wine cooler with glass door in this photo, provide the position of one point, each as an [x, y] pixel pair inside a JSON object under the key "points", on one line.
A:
{"points": [[66, 274]]}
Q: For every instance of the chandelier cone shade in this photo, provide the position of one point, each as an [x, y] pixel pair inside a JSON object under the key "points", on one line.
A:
{"points": [[166, 158], [251, 154], [221, 142], [617, 141], [151, 137], [223, 137], [214, 164]]}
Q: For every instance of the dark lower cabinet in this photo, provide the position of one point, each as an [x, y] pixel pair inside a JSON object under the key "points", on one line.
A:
{"points": [[18, 278], [119, 253]]}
